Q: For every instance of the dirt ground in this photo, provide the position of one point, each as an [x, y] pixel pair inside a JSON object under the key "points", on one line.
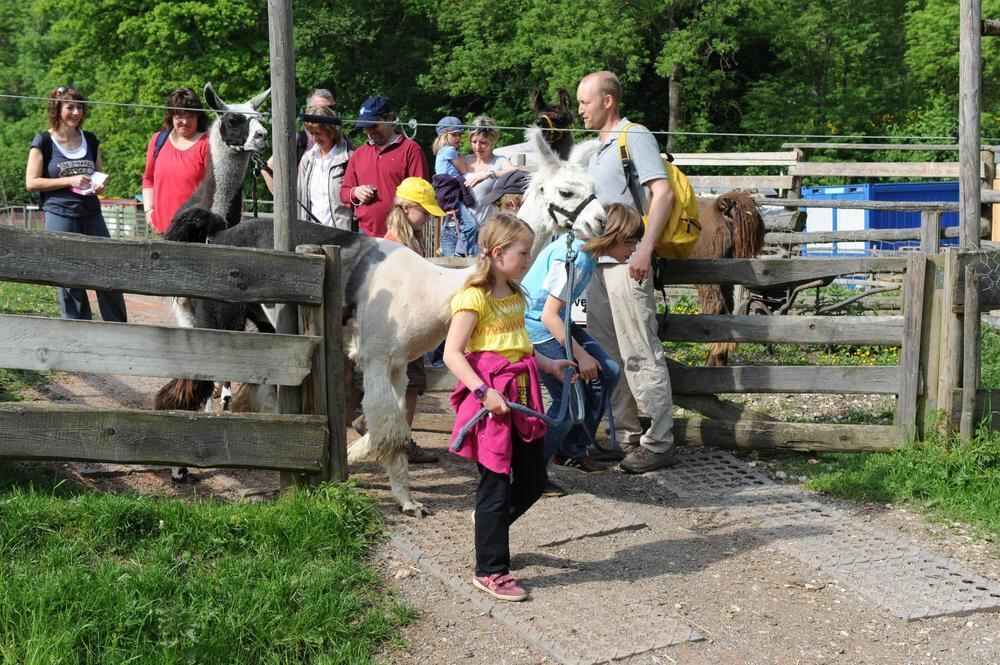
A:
{"points": [[752, 602]]}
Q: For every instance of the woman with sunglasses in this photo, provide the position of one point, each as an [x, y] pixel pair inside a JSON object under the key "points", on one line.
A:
{"points": [[175, 158], [483, 166], [62, 162]]}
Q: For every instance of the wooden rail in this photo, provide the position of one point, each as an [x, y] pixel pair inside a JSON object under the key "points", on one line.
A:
{"points": [[310, 444], [160, 268]]}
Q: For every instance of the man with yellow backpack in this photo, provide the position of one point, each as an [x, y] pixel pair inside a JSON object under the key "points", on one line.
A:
{"points": [[621, 307]]}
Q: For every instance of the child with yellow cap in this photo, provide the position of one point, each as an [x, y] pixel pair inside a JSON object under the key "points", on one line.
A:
{"points": [[414, 206]]}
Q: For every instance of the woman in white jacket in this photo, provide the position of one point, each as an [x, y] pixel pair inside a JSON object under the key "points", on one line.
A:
{"points": [[321, 171]]}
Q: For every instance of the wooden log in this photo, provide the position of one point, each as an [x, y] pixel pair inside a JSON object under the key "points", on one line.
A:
{"points": [[788, 436], [928, 170], [902, 206], [41, 344], [160, 268], [931, 147], [872, 235], [884, 331], [970, 353], [785, 379], [46, 431], [782, 219], [909, 361], [756, 273], [734, 158], [746, 433], [743, 182]]}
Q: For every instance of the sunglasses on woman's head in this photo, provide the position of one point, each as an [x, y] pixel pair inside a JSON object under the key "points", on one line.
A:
{"points": [[63, 89]]}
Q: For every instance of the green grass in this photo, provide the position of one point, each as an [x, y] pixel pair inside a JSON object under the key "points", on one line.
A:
{"points": [[25, 299], [28, 299], [103, 578]]}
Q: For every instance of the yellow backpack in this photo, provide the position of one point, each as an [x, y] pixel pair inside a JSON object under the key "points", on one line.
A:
{"points": [[682, 229]]}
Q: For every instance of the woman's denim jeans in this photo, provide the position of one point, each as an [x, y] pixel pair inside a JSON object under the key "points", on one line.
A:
{"points": [[73, 303]]}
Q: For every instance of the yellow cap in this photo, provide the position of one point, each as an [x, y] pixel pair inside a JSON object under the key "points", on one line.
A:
{"points": [[419, 191]]}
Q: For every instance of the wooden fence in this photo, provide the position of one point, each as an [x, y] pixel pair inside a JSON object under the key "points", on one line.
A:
{"points": [[935, 372], [312, 443]]}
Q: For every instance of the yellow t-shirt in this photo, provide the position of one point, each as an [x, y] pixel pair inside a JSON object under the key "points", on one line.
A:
{"points": [[501, 322]]}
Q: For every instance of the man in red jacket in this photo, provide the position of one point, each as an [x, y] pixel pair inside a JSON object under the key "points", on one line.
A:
{"points": [[377, 167]]}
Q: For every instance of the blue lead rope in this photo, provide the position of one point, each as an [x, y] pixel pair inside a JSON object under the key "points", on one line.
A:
{"points": [[456, 445]]}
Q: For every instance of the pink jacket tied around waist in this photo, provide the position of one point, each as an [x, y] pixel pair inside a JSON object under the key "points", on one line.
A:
{"points": [[489, 442]]}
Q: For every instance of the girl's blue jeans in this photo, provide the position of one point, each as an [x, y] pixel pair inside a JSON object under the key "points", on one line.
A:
{"points": [[567, 439], [461, 241]]}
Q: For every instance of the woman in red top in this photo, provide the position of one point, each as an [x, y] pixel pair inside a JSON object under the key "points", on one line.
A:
{"points": [[172, 175]]}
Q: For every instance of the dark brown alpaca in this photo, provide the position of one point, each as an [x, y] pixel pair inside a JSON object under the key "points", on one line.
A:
{"points": [[731, 228], [552, 118]]}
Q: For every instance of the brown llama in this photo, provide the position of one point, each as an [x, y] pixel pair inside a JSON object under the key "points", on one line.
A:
{"points": [[731, 228]]}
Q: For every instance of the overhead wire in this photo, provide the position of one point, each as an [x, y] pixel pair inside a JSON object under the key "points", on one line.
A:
{"points": [[413, 124]]}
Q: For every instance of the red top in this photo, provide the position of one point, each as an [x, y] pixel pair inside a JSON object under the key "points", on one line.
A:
{"points": [[383, 169], [173, 176]]}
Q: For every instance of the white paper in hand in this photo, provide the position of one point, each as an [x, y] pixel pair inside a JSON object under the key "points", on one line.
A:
{"points": [[97, 179]]}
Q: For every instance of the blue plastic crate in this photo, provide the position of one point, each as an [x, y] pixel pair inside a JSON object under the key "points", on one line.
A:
{"points": [[910, 191], [822, 219]]}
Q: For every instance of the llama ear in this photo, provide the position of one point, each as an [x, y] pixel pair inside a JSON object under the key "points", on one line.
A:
{"points": [[259, 99], [565, 101], [536, 137], [583, 151], [213, 100], [537, 101]]}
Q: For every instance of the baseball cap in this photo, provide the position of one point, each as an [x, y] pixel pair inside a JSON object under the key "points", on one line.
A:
{"points": [[448, 124], [372, 111], [510, 182], [421, 192]]}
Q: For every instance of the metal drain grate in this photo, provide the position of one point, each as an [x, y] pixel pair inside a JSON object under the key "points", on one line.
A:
{"points": [[888, 568]]}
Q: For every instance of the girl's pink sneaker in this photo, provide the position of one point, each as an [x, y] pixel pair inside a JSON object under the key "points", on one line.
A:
{"points": [[500, 586]]}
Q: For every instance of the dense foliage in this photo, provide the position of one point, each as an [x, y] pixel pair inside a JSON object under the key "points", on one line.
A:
{"points": [[840, 67]]}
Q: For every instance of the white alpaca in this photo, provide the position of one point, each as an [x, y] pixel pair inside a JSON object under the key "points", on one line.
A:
{"points": [[396, 303]]}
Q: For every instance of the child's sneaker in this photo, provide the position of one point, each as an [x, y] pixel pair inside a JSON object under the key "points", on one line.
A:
{"points": [[500, 586]]}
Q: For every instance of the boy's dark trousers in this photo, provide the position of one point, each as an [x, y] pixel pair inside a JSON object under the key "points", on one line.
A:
{"points": [[501, 499]]}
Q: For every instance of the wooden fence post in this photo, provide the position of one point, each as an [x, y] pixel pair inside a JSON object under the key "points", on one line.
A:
{"points": [[909, 361], [323, 391], [930, 340], [970, 367], [950, 362], [336, 407], [930, 232]]}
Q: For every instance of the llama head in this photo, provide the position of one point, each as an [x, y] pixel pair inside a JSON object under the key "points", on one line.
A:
{"points": [[239, 125], [552, 117], [560, 197]]}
